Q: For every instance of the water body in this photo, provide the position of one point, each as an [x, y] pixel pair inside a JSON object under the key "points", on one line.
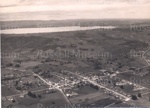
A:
{"points": [[54, 29]]}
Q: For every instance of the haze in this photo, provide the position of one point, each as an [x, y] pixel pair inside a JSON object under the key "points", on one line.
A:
{"points": [[74, 9]]}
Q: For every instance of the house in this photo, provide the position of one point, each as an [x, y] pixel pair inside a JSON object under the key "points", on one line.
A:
{"points": [[72, 94]]}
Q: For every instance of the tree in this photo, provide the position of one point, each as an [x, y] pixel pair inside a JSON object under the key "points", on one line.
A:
{"points": [[9, 65], [39, 96], [18, 88], [31, 94], [134, 97], [53, 102], [13, 101], [122, 87], [94, 86], [17, 65], [139, 95], [86, 99]]}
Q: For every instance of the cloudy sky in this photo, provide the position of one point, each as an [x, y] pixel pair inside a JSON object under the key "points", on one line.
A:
{"points": [[73, 9]]}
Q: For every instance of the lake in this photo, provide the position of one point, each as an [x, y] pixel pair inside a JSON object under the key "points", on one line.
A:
{"points": [[54, 29]]}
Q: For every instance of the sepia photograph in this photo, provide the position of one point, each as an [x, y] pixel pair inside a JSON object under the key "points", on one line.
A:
{"points": [[75, 53]]}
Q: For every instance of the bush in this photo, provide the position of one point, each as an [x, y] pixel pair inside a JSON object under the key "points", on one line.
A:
{"points": [[134, 97], [139, 95], [39, 96], [13, 101], [94, 86], [31, 95], [53, 102], [17, 65], [122, 87], [9, 65]]}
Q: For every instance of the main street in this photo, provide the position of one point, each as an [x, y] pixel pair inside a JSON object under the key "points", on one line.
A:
{"points": [[50, 84], [46, 82], [94, 83]]}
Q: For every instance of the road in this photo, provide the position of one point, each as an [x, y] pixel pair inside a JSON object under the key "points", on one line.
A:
{"points": [[94, 83], [108, 106], [146, 93], [61, 77], [144, 56], [50, 84], [22, 93]]}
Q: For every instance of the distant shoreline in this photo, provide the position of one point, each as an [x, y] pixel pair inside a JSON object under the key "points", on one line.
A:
{"points": [[54, 29]]}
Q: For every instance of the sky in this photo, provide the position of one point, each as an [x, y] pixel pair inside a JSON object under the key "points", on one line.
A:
{"points": [[73, 9]]}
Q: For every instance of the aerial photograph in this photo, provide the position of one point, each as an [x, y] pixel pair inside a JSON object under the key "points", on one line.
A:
{"points": [[75, 53]]}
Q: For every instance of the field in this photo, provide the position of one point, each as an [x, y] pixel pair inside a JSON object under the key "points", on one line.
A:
{"points": [[101, 42], [86, 90], [7, 92], [100, 103], [92, 97], [88, 52], [49, 100], [5, 71], [26, 65], [144, 81]]}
